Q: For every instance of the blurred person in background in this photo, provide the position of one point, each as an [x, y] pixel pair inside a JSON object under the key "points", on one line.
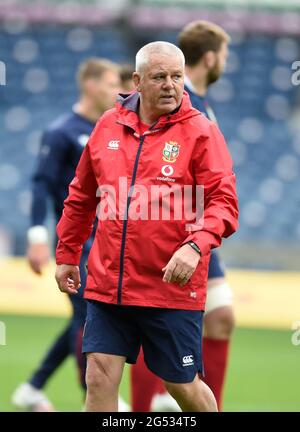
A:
{"points": [[126, 73], [205, 47], [61, 148]]}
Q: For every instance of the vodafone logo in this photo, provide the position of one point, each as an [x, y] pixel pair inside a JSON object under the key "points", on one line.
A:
{"points": [[167, 170]]}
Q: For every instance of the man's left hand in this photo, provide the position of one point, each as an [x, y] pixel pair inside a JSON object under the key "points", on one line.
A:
{"points": [[181, 266]]}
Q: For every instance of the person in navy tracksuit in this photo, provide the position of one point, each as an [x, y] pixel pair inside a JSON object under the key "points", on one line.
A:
{"points": [[61, 148]]}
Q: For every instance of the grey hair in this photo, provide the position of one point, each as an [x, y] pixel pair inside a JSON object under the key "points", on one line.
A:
{"points": [[159, 47]]}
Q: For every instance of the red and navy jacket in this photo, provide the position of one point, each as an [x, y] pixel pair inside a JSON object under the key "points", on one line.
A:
{"points": [[128, 254]]}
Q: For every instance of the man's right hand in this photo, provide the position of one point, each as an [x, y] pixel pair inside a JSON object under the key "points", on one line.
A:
{"points": [[38, 255], [68, 278]]}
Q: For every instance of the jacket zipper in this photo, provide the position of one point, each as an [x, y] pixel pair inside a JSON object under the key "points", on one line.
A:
{"points": [[142, 139]]}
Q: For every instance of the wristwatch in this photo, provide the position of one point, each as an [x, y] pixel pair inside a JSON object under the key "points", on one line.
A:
{"points": [[194, 246]]}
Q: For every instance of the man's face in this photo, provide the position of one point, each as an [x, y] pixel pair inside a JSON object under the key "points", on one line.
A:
{"points": [[103, 91], [161, 84], [220, 62]]}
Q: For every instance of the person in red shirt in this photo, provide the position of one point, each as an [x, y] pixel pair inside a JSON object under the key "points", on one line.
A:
{"points": [[159, 176]]}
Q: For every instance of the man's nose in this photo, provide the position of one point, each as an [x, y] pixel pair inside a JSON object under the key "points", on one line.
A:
{"points": [[168, 83]]}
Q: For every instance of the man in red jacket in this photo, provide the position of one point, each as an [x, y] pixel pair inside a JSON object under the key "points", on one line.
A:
{"points": [[205, 47], [147, 160]]}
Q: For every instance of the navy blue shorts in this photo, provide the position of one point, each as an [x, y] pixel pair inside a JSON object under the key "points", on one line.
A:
{"points": [[171, 338], [216, 267]]}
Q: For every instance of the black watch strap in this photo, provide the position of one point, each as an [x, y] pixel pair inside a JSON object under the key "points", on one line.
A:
{"points": [[194, 246]]}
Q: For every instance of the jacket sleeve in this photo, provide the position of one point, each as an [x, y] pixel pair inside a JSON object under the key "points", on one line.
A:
{"points": [[213, 171], [53, 148], [76, 223]]}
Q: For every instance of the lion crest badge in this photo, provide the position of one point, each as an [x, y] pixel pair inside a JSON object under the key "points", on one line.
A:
{"points": [[171, 151]]}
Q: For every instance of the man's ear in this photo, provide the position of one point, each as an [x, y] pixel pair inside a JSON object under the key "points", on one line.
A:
{"points": [[137, 80], [209, 59]]}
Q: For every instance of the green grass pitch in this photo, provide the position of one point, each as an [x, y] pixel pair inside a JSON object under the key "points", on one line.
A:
{"points": [[263, 373]]}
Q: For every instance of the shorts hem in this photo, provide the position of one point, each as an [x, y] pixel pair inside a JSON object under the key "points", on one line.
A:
{"points": [[129, 359], [173, 379]]}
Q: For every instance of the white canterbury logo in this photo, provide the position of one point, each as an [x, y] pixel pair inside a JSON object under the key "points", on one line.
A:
{"points": [[188, 360], [113, 145]]}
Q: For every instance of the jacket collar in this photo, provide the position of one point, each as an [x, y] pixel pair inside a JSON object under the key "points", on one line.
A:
{"points": [[127, 109]]}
